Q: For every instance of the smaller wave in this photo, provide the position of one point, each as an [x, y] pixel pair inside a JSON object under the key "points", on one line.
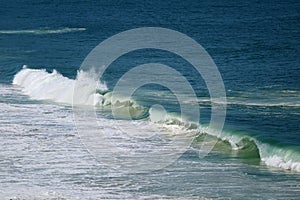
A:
{"points": [[291, 92], [269, 86], [289, 102], [262, 104], [241, 144], [42, 31]]}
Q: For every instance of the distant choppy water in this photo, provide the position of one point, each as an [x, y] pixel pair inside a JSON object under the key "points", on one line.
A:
{"points": [[255, 46]]}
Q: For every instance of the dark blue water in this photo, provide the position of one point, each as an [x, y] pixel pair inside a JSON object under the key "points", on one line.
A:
{"points": [[255, 45]]}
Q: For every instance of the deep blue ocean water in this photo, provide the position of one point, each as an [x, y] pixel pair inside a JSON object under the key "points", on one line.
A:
{"points": [[255, 46]]}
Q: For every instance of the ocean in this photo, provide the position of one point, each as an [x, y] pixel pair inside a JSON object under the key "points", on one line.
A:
{"points": [[104, 100]]}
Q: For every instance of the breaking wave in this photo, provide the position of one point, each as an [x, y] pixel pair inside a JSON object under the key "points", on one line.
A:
{"points": [[41, 85]]}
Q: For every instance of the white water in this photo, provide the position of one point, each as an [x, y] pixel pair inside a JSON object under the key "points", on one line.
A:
{"points": [[41, 85]]}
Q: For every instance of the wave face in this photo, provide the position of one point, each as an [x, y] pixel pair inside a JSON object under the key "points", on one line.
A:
{"points": [[42, 31], [41, 85]]}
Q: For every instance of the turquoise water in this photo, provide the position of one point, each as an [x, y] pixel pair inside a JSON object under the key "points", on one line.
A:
{"points": [[255, 46]]}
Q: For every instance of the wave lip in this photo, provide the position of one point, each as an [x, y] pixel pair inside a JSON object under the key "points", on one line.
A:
{"points": [[42, 31]]}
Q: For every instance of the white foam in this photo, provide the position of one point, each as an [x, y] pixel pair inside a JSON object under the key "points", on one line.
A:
{"points": [[41, 85], [276, 161]]}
